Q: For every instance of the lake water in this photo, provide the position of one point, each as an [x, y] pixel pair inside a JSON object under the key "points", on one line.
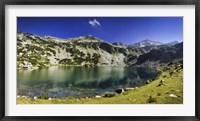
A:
{"points": [[62, 82]]}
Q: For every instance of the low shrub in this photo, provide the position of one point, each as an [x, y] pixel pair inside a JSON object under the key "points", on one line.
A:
{"points": [[109, 95], [151, 99], [44, 96]]}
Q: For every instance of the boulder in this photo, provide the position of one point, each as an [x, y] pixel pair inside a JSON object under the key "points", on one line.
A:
{"points": [[136, 87], [25, 96], [97, 96], [162, 81], [161, 84], [172, 95], [147, 82], [109, 95], [26, 65], [128, 88], [119, 91], [170, 63]]}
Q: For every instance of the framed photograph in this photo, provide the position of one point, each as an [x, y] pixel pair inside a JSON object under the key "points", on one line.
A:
{"points": [[100, 60]]}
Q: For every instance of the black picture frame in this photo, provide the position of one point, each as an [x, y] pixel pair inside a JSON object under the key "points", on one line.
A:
{"points": [[3, 3]]}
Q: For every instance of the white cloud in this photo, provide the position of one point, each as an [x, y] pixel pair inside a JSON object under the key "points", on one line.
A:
{"points": [[94, 23]]}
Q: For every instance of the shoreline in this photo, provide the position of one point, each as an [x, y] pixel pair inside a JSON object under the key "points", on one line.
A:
{"points": [[64, 65], [166, 93]]}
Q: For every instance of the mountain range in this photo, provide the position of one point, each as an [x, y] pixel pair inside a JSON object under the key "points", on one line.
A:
{"points": [[147, 42], [34, 51]]}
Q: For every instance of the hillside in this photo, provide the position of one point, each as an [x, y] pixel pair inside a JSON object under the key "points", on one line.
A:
{"points": [[161, 55], [84, 51], [37, 52]]}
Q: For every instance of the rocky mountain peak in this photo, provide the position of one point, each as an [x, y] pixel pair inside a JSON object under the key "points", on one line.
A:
{"points": [[145, 43], [119, 44]]}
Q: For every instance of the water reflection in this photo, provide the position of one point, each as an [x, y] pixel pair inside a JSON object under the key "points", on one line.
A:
{"points": [[80, 81]]}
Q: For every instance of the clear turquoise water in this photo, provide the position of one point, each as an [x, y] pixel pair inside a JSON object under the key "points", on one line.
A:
{"points": [[80, 81]]}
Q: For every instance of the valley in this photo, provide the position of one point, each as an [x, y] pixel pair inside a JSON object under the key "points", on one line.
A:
{"points": [[88, 70]]}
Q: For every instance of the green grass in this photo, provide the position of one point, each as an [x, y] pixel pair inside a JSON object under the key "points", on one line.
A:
{"points": [[147, 94]]}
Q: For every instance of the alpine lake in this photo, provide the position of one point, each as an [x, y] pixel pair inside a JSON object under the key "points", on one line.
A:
{"points": [[74, 81]]}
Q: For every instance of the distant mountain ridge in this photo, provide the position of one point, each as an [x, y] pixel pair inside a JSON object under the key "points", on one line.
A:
{"points": [[171, 43], [162, 55], [145, 43], [36, 51]]}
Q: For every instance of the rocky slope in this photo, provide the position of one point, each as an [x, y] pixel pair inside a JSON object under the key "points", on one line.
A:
{"points": [[162, 55], [34, 51], [145, 43]]}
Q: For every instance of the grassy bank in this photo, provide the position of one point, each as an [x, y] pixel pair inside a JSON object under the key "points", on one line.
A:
{"points": [[169, 91]]}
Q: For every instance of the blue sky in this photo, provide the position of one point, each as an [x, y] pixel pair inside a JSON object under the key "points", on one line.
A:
{"points": [[127, 30]]}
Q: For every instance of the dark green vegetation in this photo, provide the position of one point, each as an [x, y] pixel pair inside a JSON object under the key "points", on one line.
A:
{"points": [[166, 89]]}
